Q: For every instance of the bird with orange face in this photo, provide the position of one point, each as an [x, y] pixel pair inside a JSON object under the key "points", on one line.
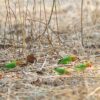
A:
{"points": [[83, 66], [68, 59]]}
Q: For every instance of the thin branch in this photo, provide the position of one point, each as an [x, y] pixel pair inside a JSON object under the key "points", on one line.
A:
{"points": [[82, 40]]}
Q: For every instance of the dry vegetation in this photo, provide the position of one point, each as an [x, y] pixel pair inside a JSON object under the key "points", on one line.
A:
{"points": [[49, 29]]}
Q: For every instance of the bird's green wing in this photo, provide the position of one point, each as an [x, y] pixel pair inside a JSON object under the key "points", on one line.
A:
{"points": [[80, 67], [65, 60], [10, 65], [59, 70]]}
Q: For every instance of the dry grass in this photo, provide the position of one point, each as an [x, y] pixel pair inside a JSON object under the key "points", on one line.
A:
{"points": [[49, 30]]}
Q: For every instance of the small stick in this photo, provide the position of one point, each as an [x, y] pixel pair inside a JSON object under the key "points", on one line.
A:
{"points": [[92, 93], [43, 63]]}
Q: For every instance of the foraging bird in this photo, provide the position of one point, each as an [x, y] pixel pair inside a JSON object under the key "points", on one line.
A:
{"points": [[83, 66], [21, 63], [68, 59], [61, 71], [10, 65]]}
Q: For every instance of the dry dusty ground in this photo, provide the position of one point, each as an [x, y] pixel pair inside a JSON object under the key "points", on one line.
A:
{"points": [[28, 82]]}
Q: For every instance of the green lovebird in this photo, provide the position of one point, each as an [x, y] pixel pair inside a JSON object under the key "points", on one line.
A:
{"points": [[10, 65], [61, 71], [82, 66], [67, 59]]}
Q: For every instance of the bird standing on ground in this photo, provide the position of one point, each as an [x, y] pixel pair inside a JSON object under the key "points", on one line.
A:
{"points": [[68, 59], [83, 66], [61, 71]]}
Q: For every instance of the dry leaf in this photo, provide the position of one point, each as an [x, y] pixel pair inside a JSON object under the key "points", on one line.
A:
{"points": [[31, 58], [1, 76]]}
